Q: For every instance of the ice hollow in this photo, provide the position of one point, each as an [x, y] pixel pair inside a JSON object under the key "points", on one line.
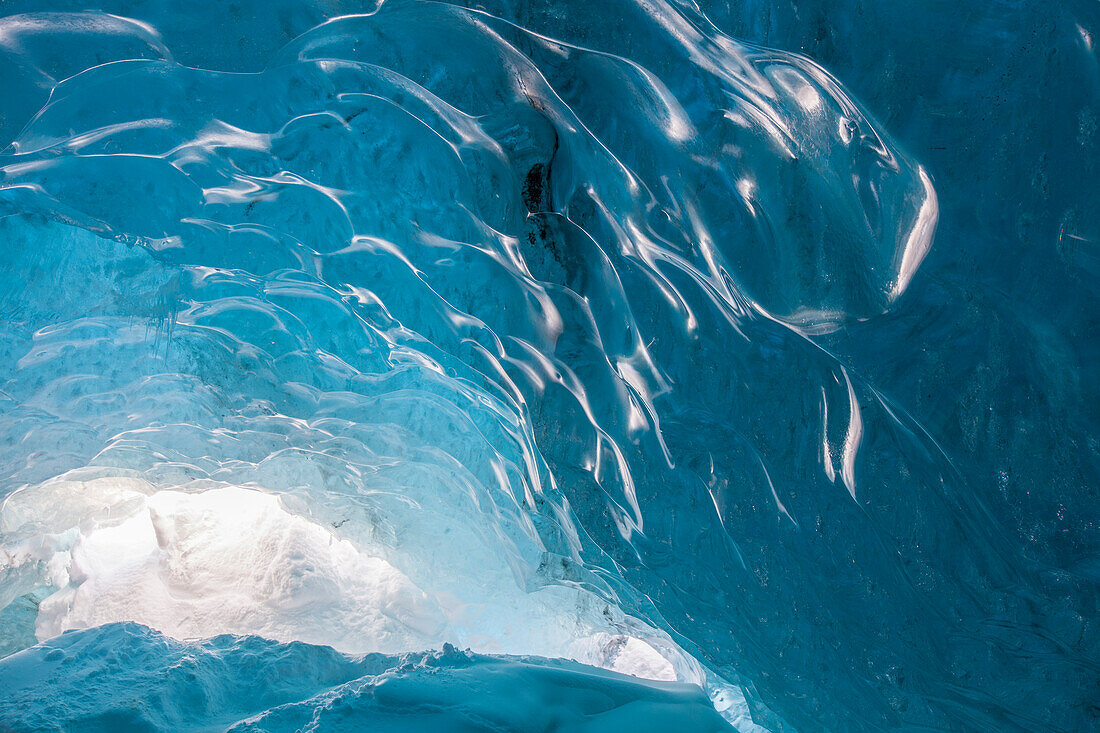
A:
{"points": [[586, 331], [233, 560], [445, 286]]}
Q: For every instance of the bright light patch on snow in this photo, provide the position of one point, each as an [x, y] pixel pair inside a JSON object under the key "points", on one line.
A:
{"points": [[234, 560]]}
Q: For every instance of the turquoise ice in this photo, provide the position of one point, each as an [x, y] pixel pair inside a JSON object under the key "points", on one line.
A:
{"points": [[572, 365]]}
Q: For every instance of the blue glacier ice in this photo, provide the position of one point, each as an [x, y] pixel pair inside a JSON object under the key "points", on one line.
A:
{"points": [[127, 677], [604, 366]]}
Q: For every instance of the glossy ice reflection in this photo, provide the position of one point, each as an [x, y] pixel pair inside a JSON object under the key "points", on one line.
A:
{"points": [[388, 326]]}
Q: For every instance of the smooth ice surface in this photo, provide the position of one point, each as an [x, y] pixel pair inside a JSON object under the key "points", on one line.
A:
{"points": [[743, 344], [127, 677]]}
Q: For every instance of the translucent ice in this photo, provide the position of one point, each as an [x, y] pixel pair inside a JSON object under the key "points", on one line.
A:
{"points": [[572, 330], [90, 678]]}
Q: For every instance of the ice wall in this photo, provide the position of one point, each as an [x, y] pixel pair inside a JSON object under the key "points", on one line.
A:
{"points": [[575, 330]]}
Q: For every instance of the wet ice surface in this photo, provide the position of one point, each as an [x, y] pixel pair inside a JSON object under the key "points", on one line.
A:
{"points": [[127, 677], [582, 331]]}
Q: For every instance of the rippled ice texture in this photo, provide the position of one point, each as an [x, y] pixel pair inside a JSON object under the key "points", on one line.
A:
{"points": [[592, 331]]}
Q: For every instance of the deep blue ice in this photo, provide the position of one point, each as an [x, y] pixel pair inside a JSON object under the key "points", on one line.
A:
{"points": [[604, 366]]}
